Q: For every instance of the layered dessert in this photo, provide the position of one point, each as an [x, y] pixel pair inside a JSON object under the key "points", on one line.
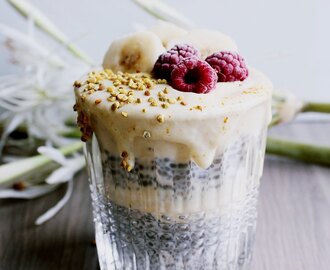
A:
{"points": [[175, 126]]}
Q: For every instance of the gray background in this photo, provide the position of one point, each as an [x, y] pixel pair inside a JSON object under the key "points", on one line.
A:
{"points": [[287, 39]]}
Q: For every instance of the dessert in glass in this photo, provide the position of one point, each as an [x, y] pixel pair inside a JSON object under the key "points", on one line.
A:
{"points": [[175, 125]]}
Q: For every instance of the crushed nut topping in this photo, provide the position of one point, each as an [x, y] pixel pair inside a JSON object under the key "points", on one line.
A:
{"points": [[171, 100], [198, 107], [115, 106], [146, 134], [124, 154], [165, 105], [77, 83], [160, 118]]}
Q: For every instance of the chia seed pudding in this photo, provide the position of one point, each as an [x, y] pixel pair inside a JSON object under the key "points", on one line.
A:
{"points": [[174, 175]]}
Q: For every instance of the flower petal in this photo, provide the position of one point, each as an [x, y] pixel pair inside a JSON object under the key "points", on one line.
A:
{"points": [[61, 175], [55, 209], [29, 193], [13, 123], [53, 153], [66, 172]]}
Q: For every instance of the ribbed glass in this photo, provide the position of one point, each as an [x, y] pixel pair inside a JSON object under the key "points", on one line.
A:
{"points": [[168, 215]]}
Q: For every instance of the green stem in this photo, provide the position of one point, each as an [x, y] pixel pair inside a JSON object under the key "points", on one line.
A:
{"points": [[29, 11], [11, 171], [162, 11], [276, 120], [316, 107], [299, 151], [73, 134]]}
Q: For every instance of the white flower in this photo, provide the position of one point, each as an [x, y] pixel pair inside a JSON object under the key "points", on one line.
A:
{"points": [[42, 97], [31, 192], [54, 210], [69, 166], [65, 173], [285, 107]]}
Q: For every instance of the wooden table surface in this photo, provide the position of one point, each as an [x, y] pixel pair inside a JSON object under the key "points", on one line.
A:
{"points": [[293, 226]]}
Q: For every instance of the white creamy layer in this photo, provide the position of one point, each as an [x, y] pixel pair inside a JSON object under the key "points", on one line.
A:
{"points": [[232, 195], [187, 133], [237, 187]]}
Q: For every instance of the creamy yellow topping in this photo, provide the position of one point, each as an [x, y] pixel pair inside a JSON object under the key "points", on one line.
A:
{"points": [[143, 117]]}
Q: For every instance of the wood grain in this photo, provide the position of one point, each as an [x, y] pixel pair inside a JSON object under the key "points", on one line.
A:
{"points": [[294, 208], [293, 226], [62, 243]]}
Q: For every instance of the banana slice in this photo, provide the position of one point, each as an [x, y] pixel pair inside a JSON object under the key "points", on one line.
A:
{"points": [[136, 52], [167, 31], [207, 41]]}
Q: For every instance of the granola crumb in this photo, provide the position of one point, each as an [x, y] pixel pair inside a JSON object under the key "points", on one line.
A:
{"points": [[111, 99], [161, 94], [130, 99], [115, 106], [122, 97], [110, 89], [124, 154], [171, 100], [146, 134], [151, 99], [160, 118], [77, 84], [164, 105]]}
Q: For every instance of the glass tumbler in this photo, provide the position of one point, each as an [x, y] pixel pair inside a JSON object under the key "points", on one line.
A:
{"points": [[169, 215]]}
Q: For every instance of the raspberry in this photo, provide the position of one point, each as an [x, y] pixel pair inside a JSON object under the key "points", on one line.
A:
{"points": [[168, 60], [184, 50], [230, 66], [193, 75]]}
